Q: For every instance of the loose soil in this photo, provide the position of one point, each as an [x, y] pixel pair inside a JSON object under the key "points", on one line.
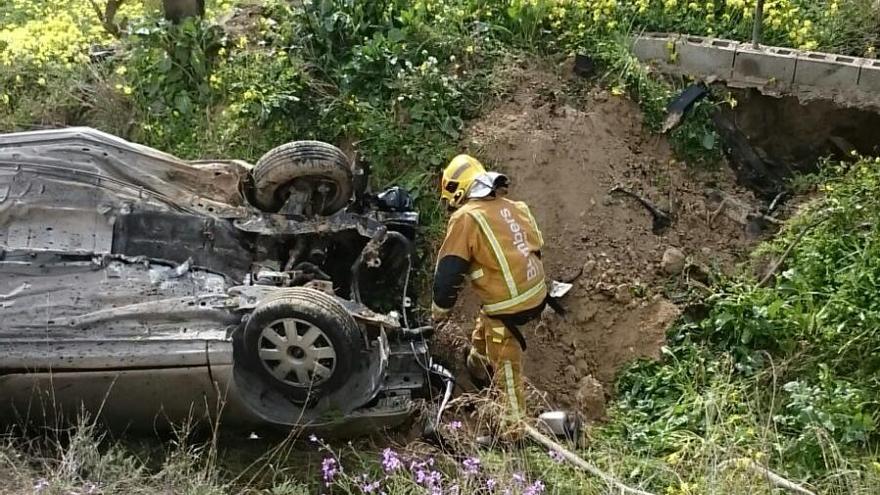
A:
{"points": [[563, 155]]}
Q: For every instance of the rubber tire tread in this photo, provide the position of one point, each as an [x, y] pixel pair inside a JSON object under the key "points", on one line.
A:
{"points": [[280, 165], [320, 309]]}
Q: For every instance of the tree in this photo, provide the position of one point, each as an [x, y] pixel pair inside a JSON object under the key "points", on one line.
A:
{"points": [[178, 10], [107, 15]]}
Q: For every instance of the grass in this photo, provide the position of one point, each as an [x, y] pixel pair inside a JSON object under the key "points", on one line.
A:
{"points": [[84, 460], [784, 375]]}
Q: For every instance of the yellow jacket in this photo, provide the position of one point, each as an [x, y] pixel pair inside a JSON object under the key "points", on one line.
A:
{"points": [[496, 243]]}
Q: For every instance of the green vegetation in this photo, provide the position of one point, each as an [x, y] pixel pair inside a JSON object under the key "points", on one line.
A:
{"points": [[785, 371], [785, 374]]}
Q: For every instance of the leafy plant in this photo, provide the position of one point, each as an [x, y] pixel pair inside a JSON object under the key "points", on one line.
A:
{"points": [[820, 320], [170, 64]]}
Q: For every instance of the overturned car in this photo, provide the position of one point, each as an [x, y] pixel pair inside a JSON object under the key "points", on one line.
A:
{"points": [[147, 289]]}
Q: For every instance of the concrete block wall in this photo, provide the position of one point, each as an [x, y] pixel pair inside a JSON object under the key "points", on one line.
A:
{"points": [[765, 66], [655, 47], [775, 68], [869, 76], [707, 55], [827, 70]]}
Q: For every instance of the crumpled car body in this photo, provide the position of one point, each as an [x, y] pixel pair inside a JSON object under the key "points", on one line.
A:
{"points": [[130, 281]]}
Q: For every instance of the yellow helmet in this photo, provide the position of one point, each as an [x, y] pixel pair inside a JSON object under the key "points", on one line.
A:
{"points": [[457, 179]]}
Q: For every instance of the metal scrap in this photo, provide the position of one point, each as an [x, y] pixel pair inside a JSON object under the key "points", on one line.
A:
{"points": [[661, 219]]}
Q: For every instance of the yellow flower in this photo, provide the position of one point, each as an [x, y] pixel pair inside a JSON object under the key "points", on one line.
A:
{"points": [[121, 70], [127, 90], [41, 81]]}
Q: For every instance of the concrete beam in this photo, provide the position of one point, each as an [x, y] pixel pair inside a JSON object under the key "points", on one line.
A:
{"points": [[827, 71]]}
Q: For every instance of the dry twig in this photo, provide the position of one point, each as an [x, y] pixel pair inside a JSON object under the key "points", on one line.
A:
{"points": [[778, 264], [773, 478], [579, 462]]}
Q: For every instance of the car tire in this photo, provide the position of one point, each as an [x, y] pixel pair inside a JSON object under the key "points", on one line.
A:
{"points": [[322, 355], [303, 163]]}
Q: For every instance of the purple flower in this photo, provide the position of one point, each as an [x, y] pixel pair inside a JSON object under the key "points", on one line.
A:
{"points": [[490, 483], [415, 466], [330, 469], [535, 488], [471, 465], [455, 425], [390, 461], [428, 479], [369, 487], [556, 456]]}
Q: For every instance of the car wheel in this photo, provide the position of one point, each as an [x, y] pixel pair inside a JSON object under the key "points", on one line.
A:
{"points": [[318, 169], [303, 342]]}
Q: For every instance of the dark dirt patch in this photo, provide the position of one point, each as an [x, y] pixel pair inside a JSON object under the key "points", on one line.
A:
{"points": [[563, 155]]}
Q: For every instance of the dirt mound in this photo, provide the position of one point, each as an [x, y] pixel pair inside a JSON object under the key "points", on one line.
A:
{"points": [[564, 154]]}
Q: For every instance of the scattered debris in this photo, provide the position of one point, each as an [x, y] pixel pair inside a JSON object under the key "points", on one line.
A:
{"points": [[740, 211], [573, 277], [660, 217], [584, 65], [673, 261], [563, 424], [683, 104], [697, 272], [777, 201]]}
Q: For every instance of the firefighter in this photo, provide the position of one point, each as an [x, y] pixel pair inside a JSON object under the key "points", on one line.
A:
{"points": [[494, 243]]}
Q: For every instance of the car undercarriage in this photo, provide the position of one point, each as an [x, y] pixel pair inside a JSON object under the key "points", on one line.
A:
{"points": [[148, 290]]}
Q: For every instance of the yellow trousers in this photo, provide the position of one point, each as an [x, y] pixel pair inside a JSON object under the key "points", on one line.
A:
{"points": [[496, 350]]}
